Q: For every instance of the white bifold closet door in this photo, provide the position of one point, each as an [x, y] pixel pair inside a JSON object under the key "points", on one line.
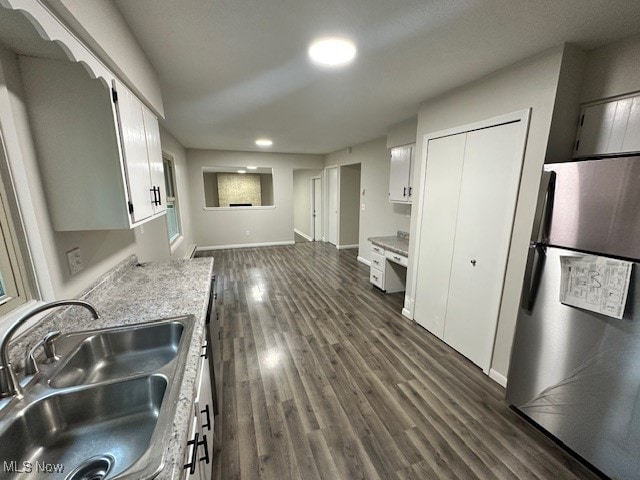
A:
{"points": [[466, 232]]}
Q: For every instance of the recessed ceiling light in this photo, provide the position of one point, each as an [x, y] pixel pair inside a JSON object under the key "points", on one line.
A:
{"points": [[264, 142], [242, 171], [252, 168], [332, 51]]}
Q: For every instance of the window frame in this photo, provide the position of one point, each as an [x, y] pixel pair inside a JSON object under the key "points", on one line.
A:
{"points": [[169, 167]]}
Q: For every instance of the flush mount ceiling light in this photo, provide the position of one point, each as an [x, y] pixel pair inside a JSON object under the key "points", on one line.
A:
{"points": [[242, 171], [332, 51], [264, 142], [252, 168]]}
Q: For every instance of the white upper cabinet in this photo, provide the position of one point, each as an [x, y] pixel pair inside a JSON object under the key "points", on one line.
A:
{"points": [[96, 148], [609, 128], [140, 136], [400, 173]]}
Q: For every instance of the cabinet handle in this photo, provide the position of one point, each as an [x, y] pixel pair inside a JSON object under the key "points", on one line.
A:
{"points": [[191, 466], [375, 276], [159, 197], [473, 262], [410, 191], [208, 424], [404, 192], [215, 296], [206, 352], [155, 199], [194, 455], [397, 258]]}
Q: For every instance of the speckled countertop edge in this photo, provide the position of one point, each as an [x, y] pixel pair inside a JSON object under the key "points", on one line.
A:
{"points": [[396, 243], [130, 294]]}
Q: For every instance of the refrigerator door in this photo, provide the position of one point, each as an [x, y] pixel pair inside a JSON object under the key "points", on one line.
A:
{"points": [[577, 373], [596, 206]]}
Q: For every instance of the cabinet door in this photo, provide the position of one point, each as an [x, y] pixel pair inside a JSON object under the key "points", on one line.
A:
{"points": [[156, 165], [488, 193], [205, 415], [399, 174], [134, 146], [595, 130]]}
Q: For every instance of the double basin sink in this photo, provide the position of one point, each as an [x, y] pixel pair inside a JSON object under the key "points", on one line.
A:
{"points": [[104, 410]]}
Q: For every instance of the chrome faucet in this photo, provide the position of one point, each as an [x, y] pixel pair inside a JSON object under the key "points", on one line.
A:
{"points": [[9, 384]]}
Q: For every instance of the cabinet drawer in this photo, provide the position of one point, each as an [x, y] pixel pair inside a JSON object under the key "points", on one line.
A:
{"points": [[397, 258], [377, 249], [377, 261], [377, 278]]}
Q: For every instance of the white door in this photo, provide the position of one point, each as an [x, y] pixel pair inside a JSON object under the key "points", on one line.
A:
{"points": [[400, 169], [440, 209], [332, 192], [488, 193], [317, 209]]}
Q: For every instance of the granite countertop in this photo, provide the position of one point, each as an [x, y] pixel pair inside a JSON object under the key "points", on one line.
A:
{"points": [[133, 293], [396, 243]]}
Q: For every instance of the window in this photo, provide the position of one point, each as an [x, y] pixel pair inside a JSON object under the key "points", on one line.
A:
{"points": [[173, 215], [14, 290], [238, 187]]}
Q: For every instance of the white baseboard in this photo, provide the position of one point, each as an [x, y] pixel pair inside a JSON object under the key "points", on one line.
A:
{"points": [[498, 378], [302, 234], [364, 260], [345, 247], [245, 245], [407, 314]]}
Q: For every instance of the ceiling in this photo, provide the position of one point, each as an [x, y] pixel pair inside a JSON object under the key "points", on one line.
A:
{"points": [[232, 71]]}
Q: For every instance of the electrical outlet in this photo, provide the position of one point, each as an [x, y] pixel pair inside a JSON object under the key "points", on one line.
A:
{"points": [[247, 233], [75, 261]]}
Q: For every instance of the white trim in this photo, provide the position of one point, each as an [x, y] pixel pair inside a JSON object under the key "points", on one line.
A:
{"points": [[325, 203], [245, 245], [364, 260], [498, 377], [407, 314], [192, 251], [517, 116], [313, 204], [173, 246], [257, 207], [302, 234], [347, 247]]}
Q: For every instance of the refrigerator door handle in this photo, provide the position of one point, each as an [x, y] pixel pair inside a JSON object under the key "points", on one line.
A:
{"points": [[536, 256]]}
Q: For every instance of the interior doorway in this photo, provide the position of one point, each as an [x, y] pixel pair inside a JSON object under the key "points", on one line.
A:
{"points": [[316, 208], [332, 205], [349, 199], [304, 197]]}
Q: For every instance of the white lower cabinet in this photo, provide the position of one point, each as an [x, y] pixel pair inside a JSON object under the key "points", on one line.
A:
{"points": [[199, 453], [388, 270]]}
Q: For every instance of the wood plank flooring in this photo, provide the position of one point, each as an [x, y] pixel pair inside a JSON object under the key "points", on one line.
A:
{"points": [[324, 379]]}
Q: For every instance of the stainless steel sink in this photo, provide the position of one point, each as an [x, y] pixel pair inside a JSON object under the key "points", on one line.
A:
{"points": [[111, 411], [120, 353], [107, 427]]}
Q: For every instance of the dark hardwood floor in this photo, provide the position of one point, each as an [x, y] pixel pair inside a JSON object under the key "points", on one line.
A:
{"points": [[324, 379]]}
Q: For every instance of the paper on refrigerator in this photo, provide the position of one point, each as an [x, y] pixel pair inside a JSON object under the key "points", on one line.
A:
{"points": [[595, 283]]}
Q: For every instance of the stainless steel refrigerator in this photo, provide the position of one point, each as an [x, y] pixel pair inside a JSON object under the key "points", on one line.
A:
{"points": [[574, 372]]}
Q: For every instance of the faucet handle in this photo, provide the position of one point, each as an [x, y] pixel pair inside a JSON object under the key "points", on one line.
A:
{"points": [[49, 346], [30, 364]]}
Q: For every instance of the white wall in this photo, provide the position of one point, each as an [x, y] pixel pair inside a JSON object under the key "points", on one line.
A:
{"points": [[302, 200], [612, 70], [380, 216], [531, 84], [402, 133], [100, 250], [349, 204], [101, 26], [229, 227]]}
